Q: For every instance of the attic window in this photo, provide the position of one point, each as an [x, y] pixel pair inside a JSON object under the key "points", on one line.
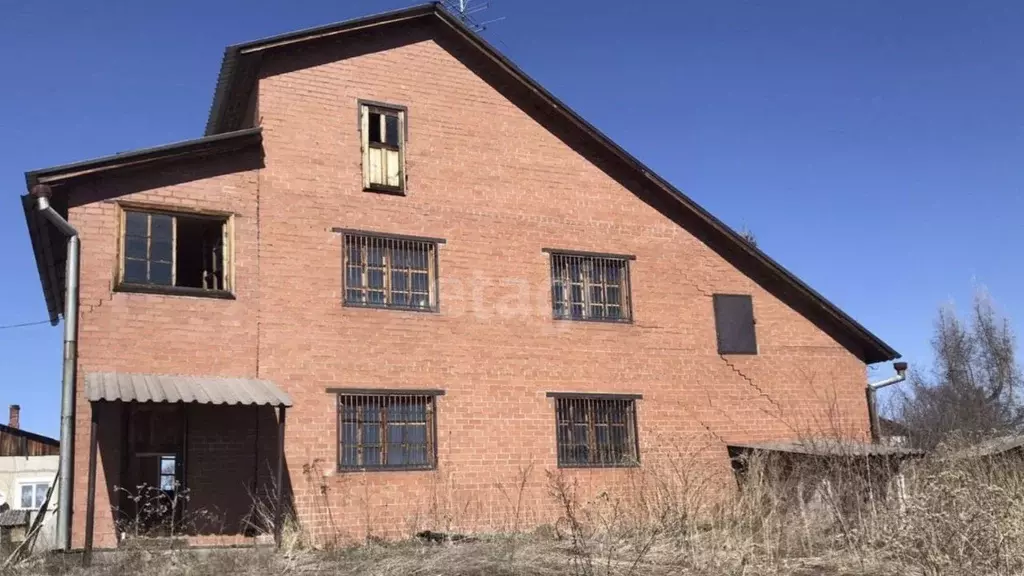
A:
{"points": [[383, 144], [734, 324], [177, 252]]}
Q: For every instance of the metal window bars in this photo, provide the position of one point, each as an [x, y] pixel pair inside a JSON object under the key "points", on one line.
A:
{"points": [[386, 431], [596, 432], [590, 288], [390, 272]]}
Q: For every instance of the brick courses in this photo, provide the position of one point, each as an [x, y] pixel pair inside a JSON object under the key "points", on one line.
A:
{"points": [[499, 183]]}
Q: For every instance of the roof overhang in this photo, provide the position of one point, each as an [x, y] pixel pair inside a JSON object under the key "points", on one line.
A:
{"points": [[170, 389], [49, 244]]}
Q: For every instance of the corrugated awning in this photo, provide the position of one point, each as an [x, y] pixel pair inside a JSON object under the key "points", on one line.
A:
{"points": [[112, 387], [14, 518]]}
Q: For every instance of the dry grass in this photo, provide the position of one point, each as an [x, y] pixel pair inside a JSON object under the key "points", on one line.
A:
{"points": [[837, 516]]}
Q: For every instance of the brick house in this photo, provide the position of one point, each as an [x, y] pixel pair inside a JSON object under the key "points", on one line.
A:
{"points": [[443, 273]]}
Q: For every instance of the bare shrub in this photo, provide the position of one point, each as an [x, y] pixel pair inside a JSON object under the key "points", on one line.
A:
{"points": [[973, 388], [964, 515]]}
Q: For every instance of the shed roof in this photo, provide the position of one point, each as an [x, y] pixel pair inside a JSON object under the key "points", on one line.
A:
{"points": [[113, 386], [829, 447], [14, 518], [992, 446], [48, 243]]}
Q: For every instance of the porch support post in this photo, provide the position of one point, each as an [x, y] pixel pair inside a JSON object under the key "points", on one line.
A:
{"points": [[278, 507], [90, 502]]}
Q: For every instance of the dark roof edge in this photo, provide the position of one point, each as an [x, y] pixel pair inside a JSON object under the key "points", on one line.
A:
{"points": [[175, 150], [42, 245], [885, 352], [44, 259], [225, 78], [30, 435]]}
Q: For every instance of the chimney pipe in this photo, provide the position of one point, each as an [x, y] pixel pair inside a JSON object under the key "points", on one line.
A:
{"points": [[15, 416]]}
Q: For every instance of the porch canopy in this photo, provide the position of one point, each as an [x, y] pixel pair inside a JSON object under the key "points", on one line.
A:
{"points": [[113, 387], [174, 389]]}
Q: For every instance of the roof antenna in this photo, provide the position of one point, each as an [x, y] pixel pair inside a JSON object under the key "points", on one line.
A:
{"points": [[464, 10]]}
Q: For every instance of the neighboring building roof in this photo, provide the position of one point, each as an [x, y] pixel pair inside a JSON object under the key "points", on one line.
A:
{"points": [[890, 427], [111, 387], [14, 518], [829, 447], [5, 429], [49, 244], [237, 80]]}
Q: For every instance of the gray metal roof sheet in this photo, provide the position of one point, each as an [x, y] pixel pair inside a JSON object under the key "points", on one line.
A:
{"points": [[13, 518], [829, 447], [992, 446], [159, 388]]}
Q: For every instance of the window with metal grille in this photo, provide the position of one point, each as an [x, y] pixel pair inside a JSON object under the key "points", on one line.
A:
{"points": [[590, 287], [383, 131], [386, 430], [734, 324], [174, 251], [598, 431], [390, 271]]}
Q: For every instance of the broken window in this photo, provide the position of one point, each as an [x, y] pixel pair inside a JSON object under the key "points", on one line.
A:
{"points": [[387, 430], [383, 131], [734, 324], [165, 249], [596, 431], [585, 287], [390, 272]]}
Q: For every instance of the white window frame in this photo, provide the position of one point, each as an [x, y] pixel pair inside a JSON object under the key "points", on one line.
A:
{"points": [[15, 501], [365, 108]]}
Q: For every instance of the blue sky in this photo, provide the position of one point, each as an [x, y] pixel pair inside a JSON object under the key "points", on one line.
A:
{"points": [[875, 148]]}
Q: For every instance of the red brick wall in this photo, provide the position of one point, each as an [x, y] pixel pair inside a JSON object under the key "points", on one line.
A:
{"points": [[145, 333], [499, 186]]}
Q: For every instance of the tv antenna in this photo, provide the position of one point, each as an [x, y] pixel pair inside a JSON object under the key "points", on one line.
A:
{"points": [[464, 10]]}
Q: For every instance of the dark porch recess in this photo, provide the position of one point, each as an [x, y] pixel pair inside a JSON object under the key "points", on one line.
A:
{"points": [[154, 412]]}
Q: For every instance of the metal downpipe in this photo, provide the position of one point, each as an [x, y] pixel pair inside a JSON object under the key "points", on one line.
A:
{"points": [[872, 398], [65, 501]]}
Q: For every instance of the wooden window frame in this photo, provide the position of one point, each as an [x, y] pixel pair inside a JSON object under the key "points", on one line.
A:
{"points": [[226, 219], [573, 402], [388, 242], [366, 107], [561, 285], [387, 398], [716, 300]]}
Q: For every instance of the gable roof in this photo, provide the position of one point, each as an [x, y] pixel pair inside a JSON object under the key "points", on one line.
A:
{"points": [[237, 80], [241, 62]]}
